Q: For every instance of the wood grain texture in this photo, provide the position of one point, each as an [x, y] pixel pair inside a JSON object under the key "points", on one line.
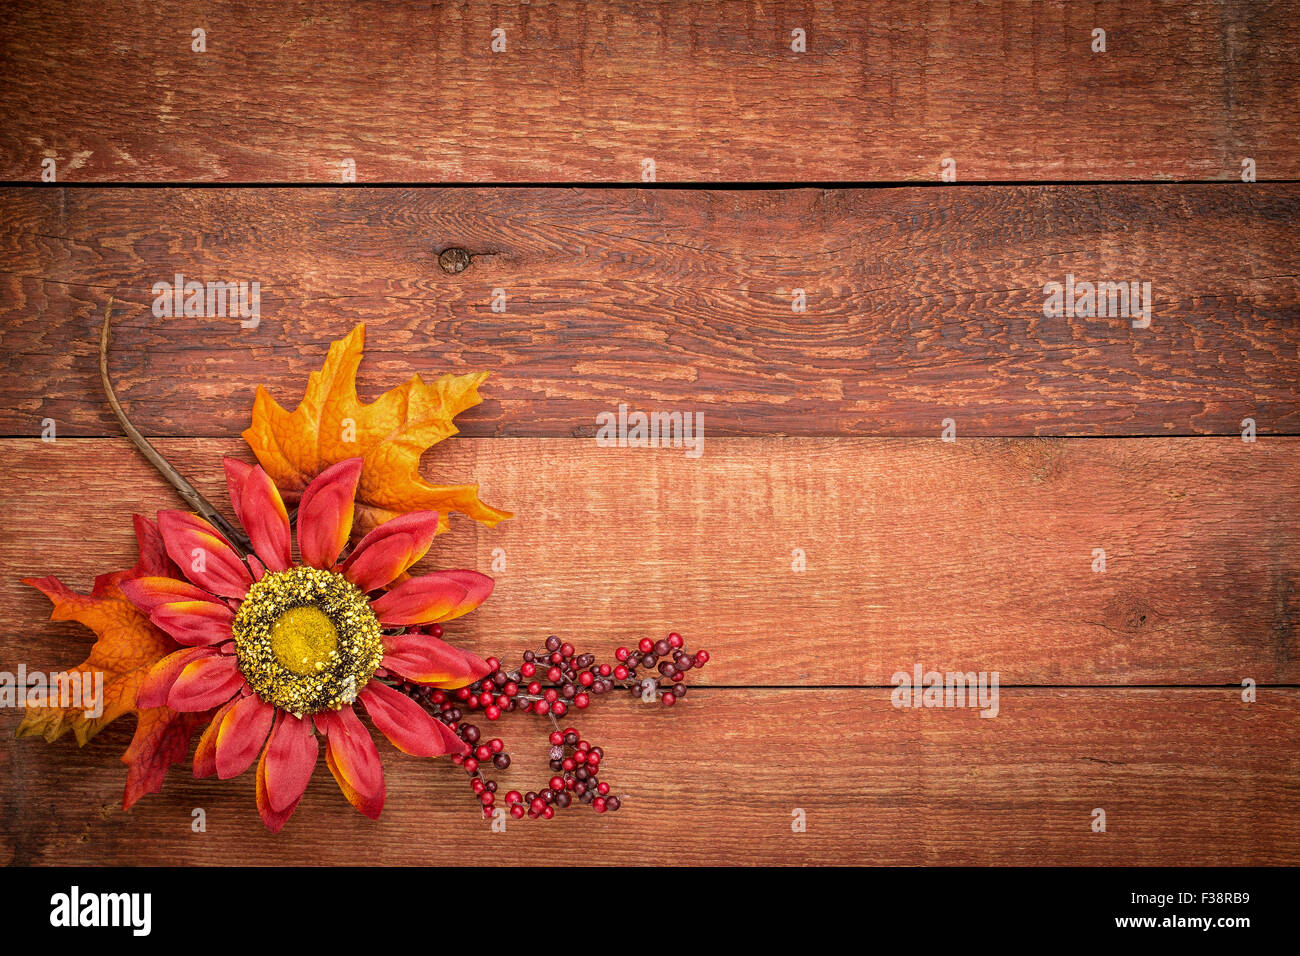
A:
{"points": [[411, 92], [1190, 776], [922, 304], [969, 556]]}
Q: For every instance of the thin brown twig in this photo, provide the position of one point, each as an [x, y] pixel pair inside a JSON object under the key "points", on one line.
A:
{"points": [[187, 491]]}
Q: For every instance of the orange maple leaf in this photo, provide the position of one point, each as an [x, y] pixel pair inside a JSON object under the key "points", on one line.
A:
{"points": [[389, 435], [127, 645]]}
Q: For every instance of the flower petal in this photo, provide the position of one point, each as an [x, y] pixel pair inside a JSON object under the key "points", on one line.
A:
{"points": [[404, 722], [274, 819], [148, 592], [439, 596], [451, 740], [205, 683], [236, 474], [203, 555], [241, 735], [325, 513], [261, 511], [194, 622], [160, 677], [353, 759], [427, 660], [479, 588], [290, 759], [153, 553], [205, 753], [390, 549]]}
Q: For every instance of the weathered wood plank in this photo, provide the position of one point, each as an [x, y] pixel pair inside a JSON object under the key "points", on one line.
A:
{"points": [[412, 92], [922, 304], [976, 555], [1190, 776]]}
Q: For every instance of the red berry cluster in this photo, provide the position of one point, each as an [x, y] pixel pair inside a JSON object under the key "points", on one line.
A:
{"points": [[548, 682]]}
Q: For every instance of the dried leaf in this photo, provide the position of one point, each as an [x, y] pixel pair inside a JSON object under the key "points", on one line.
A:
{"points": [[389, 434], [126, 645]]}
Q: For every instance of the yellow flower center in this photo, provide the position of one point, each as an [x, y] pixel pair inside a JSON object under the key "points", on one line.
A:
{"points": [[306, 640], [303, 639]]}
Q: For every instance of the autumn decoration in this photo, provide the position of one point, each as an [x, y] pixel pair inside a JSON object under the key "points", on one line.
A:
{"points": [[272, 635]]}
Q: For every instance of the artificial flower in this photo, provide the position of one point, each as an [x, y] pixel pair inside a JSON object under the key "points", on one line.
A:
{"points": [[284, 651]]}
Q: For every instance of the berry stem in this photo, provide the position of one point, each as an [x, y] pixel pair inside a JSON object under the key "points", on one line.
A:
{"points": [[549, 681]]}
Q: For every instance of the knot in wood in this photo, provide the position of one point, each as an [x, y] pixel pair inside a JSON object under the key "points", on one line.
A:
{"points": [[454, 260]]}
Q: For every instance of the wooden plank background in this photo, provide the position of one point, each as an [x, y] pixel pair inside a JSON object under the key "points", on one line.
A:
{"points": [[969, 555], [922, 304], [1121, 690], [1187, 776], [411, 92]]}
